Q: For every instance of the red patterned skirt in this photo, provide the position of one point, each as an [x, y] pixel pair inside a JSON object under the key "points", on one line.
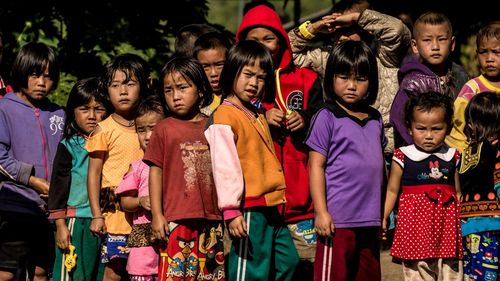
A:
{"points": [[428, 224]]}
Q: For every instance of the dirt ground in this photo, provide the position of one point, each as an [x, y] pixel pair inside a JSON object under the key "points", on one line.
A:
{"points": [[390, 271]]}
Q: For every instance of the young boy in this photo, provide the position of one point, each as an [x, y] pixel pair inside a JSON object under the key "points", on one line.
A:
{"points": [[488, 46], [210, 50], [32, 127], [289, 110], [433, 41]]}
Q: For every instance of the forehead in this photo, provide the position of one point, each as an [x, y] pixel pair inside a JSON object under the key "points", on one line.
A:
{"points": [[175, 77], [148, 118], [428, 29], [434, 115], [212, 54], [121, 75], [259, 32]]}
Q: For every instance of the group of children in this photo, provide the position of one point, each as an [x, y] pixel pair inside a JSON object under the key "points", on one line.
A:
{"points": [[259, 161]]}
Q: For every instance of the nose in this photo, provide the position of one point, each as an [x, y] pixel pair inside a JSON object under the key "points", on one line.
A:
{"points": [[435, 44], [351, 83], [148, 134], [123, 89], [92, 114]]}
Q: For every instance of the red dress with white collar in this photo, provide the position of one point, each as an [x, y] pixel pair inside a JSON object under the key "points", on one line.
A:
{"points": [[428, 223]]}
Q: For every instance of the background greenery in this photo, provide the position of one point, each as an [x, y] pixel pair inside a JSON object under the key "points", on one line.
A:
{"points": [[87, 34]]}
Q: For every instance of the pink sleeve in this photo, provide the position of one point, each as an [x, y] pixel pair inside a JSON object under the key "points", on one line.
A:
{"points": [[128, 183], [226, 168]]}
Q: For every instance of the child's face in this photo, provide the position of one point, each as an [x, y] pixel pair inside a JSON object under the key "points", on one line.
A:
{"points": [[433, 43], [144, 127], [350, 89], [250, 83], [488, 54], [267, 38], [124, 96], [429, 129], [88, 115], [181, 95], [38, 88], [212, 61]]}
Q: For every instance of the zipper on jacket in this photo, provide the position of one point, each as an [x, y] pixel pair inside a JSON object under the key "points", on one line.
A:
{"points": [[44, 141]]}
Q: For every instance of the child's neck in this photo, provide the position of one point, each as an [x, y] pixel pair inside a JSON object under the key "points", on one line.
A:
{"points": [[235, 100], [357, 110], [31, 102], [191, 117], [122, 120]]}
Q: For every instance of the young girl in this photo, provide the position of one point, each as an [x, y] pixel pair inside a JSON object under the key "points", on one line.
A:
{"points": [[31, 129], [68, 198], [248, 176], [479, 174], [488, 46], [112, 147], [181, 186], [427, 236], [346, 138], [142, 263]]}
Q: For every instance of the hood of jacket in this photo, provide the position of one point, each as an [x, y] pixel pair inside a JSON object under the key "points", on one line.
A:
{"points": [[263, 16]]}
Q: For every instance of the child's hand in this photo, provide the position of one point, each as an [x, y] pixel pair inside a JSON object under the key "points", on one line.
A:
{"points": [[275, 117], [294, 121], [324, 224], [237, 227], [160, 227], [97, 226], [40, 185], [63, 237], [383, 232], [144, 203]]}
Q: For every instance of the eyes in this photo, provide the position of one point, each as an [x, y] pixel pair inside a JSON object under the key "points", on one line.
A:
{"points": [[45, 76], [358, 78], [169, 90], [86, 109], [129, 84]]}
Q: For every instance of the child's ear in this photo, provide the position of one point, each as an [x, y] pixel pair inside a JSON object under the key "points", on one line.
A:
{"points": [[414, 46]]}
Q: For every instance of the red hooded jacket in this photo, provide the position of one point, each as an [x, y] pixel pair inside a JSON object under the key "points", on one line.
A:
{"points": [[301, 91]]}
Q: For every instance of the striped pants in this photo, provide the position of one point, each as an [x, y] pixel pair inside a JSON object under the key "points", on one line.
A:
{"points": [[267, 253]]}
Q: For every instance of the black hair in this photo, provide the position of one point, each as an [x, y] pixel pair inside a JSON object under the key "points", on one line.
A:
{"points": [[347, 58], [426, 102], [482, 117], [432, 18], [191, 70], [151, 103], [132, 65], [34, 58], [82, 93], [187, 35], [246, 52], [211, 40], [489, 30]]}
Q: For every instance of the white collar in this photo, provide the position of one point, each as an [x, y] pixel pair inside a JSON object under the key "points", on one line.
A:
{"points": [[445, 153]]}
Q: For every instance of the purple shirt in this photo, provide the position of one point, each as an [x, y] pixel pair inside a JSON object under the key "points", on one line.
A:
{"points": [[354, 164]]}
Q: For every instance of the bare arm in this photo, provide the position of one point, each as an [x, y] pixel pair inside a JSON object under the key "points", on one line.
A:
{"points": [[317, 182], [458, 188], [159, 223], [96, 161], [393, 187]]}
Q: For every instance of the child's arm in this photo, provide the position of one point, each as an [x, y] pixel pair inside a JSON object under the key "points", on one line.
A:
{"points": [[159, 223], [96, 161], [60, 183], [458, 188], [228, 176], [317, 182], [128, 190], [392, 194]]}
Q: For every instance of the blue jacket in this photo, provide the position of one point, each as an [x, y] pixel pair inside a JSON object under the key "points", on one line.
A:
{"points": [[28, 142]]}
